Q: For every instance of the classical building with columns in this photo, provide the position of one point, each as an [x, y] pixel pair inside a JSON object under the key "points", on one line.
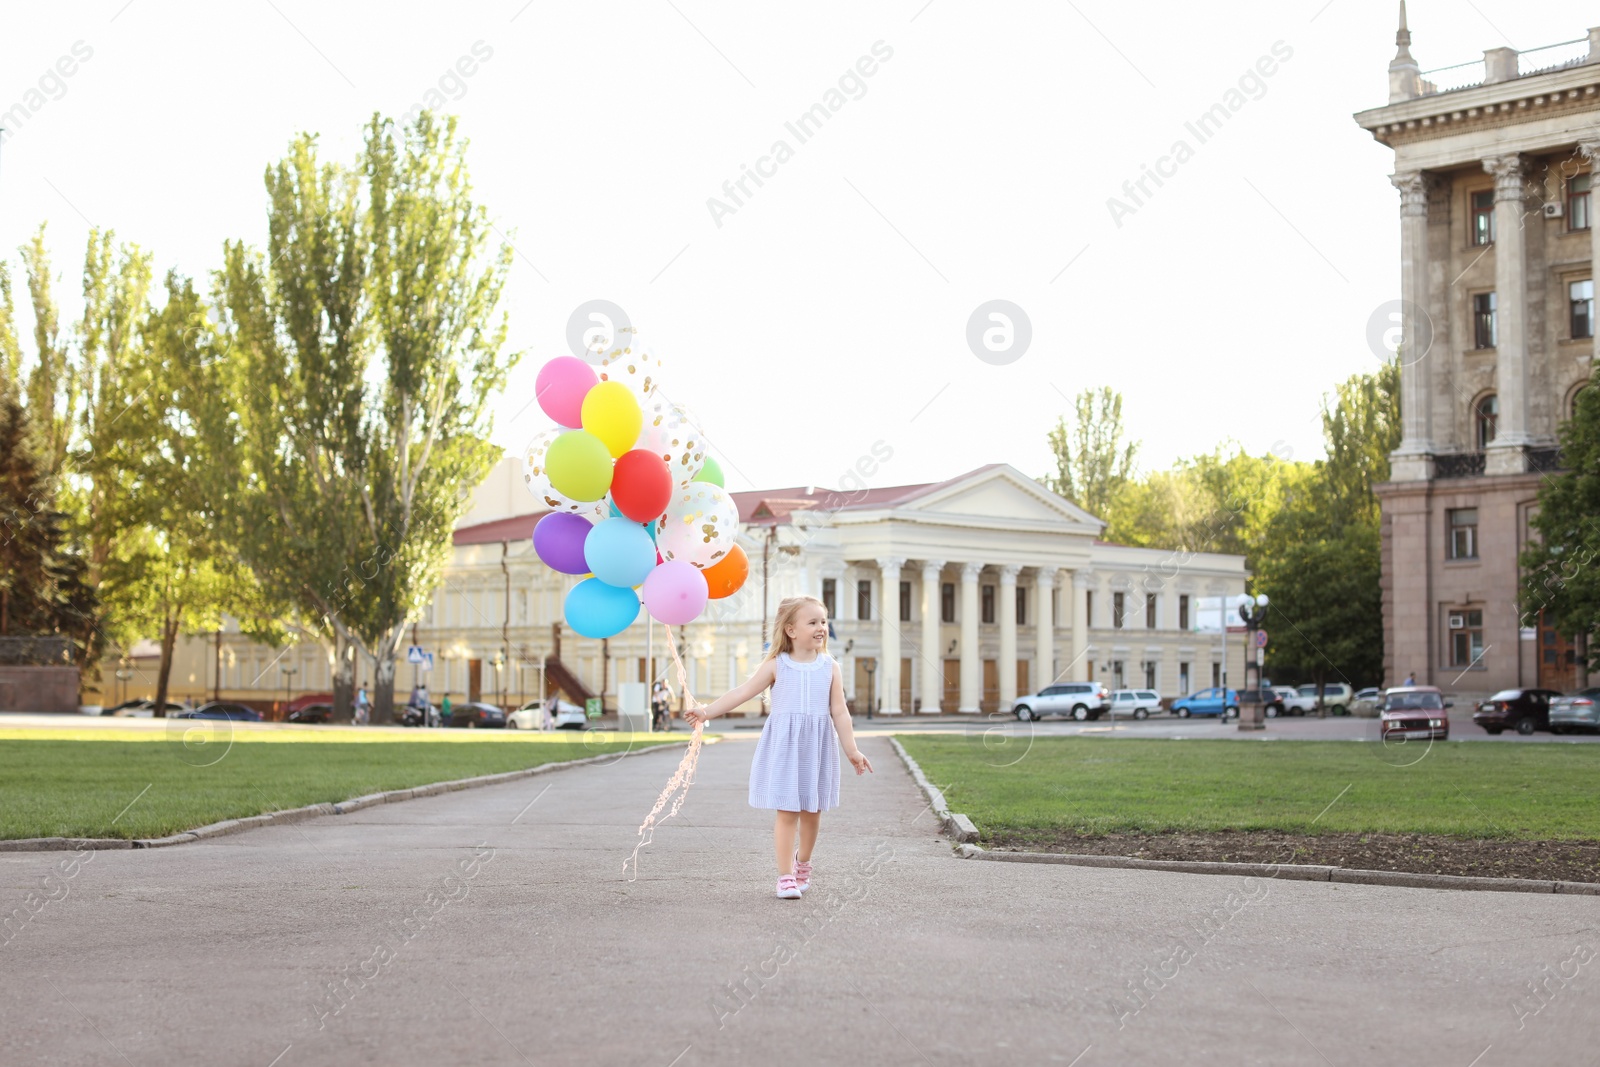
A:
{"points": [[1494, 165], [954, 596]]}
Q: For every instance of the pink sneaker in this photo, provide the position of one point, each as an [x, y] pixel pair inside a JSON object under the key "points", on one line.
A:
{"points": [[802, 872], [788, 889]]}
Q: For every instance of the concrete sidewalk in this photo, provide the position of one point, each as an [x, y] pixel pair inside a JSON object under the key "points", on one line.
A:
{"points": [[496, 926]]}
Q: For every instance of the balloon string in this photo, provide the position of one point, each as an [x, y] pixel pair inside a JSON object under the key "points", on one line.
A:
{"points": [[682, 778]]}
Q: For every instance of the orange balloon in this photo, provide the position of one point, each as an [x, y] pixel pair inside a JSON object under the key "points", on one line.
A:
{"points": [[726, 576]]}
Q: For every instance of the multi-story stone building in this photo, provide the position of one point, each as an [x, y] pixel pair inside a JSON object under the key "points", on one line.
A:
{"points": [[1493, 163], [954, 596]]}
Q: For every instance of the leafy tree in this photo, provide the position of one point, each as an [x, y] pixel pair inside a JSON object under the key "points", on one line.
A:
{"points": [[1094, 459], [1325, 598], [1559, 577], [363, 349]]}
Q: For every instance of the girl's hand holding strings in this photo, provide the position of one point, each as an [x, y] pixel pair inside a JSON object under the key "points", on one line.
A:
{"points": [[695, 716]]}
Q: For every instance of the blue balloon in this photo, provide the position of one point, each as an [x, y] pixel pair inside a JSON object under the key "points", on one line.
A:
{"points": [[595, 609], [619, 552]]}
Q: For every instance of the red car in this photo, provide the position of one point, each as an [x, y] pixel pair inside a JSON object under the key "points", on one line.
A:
{"points": [[1414, 712]]}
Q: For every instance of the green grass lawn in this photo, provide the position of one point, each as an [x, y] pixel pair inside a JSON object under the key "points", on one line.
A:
{"points": [[85, 788], [1099, 785]]}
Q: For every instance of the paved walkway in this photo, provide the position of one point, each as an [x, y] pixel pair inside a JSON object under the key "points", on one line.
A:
{"points": [[496, 926]]}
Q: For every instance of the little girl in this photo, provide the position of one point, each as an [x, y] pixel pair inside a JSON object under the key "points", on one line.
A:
{"points": [[796, 767]]}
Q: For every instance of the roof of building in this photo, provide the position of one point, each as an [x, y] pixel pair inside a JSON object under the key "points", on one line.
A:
{"points": [[761, 506]]}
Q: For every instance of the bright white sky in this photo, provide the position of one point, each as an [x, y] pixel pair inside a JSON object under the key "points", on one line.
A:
{"points": [[830, 311]]}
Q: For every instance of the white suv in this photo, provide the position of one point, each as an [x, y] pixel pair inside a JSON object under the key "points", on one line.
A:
{"points": [[1139, 703], [1081, 700], [1336, 697]]}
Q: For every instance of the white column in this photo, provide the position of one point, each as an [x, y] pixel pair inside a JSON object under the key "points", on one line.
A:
{"points": [[1044, 647], [889, 642], [1008, 635], [1412, 462], [1505, 453], [971, 653], [932, 655], [1082, 583]]}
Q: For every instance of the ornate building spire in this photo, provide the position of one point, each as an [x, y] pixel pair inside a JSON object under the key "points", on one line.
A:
{"points": [[1405, 77]]}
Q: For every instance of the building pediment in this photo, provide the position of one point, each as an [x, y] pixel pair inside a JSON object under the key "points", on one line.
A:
{"points": [[997, 495]]}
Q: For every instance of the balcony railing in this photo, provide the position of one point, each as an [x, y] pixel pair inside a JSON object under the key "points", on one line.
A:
{"points": [[1540, 60], [1458, 465], [1545, 460]]}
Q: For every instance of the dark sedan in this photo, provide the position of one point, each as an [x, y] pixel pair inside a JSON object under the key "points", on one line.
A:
{"points": [[1522, 710], [221, 709], [473, 716], [311, 713]]}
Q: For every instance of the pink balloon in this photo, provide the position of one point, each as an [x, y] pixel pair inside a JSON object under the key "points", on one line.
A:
{"points": [[561, 387], [675, 592]]}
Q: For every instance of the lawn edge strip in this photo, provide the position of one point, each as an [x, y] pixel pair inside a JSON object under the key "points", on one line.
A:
{"points": [[293, 815], [957, 826], [1294, 871]]}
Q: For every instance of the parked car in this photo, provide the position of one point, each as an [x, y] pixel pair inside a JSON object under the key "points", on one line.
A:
{"points": [[1081, 700], [1575, 711], [143, 708], [473, 715], [1288, 700], [530, 716], [310, 713], [1365, 703], [1268, 697], [1414, 711], [221, 709], [1214, 701], [1522, 710], [1336, 697], [1138, 703]]}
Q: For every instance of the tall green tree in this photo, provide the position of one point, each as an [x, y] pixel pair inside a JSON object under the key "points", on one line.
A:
{"points": [[365, 344], [1094, 457], [1561, 565]]}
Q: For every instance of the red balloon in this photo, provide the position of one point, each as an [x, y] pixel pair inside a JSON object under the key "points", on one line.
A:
{"points": [[726, 577], [641, 485]]}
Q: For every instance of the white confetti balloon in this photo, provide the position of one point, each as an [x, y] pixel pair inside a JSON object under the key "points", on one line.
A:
{"points": [[670, 432], [536, 479], [701, 525], [636, 367]]}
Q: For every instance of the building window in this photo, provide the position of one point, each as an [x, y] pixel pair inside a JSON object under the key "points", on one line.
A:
{"points": [[1117, 601], [1580, 298], [864, 599], [1183, 679], [947, 602], [1150, 611], [830, 596], [1466, 638], [1088, 607], [1483, 217], [905, 601], [1216, 674], [1149, 674], [1483, 324], [1022, 606], [988, 603], [1578, 202], [1183, 613], [1116, 675], [1463, 533], [1572, 400], [1485, 415]]}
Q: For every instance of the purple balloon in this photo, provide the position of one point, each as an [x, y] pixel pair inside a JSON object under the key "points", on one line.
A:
{"points": [[558, 539], [675, 592]]}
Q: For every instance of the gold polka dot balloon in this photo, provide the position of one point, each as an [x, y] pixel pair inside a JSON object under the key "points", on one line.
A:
{"points": [[670, 432], [636, 367], [700, 525]]}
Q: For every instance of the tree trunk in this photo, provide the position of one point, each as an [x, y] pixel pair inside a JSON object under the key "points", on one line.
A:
{"points": [[169, 638], [344, 679], [383, 683]]}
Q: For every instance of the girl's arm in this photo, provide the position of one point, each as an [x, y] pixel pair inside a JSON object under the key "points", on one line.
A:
{"points": [[841, 722], [764, 676]]}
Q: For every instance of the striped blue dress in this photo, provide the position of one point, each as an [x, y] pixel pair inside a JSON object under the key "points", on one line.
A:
{"points": [[796, 767]]}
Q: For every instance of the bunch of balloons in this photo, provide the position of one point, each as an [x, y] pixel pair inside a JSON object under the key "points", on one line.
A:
{"points": [[636, 506]]}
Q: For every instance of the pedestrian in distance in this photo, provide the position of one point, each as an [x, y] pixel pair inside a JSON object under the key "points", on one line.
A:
{"points": [[444, 709], [363, 712], [548, 720], [1411, 678], [660, 718], [796, 766]]}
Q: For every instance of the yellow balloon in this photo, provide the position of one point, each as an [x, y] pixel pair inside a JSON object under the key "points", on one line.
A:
{"points": [[611, 413]]}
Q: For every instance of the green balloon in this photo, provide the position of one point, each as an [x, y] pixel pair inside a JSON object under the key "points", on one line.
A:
{"points": [[710, 473], [579, 465]]}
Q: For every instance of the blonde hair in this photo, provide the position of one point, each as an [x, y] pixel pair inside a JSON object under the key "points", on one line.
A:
{"points": [[788, 608]]}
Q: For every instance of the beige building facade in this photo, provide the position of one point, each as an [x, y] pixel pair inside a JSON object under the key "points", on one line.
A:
{"points": [[951, 597], [1493, 165]]}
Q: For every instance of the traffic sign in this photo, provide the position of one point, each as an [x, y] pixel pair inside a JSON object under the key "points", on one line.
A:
{"points": [[1261, 639], [426, 663], [591, 707], [414, 654]]}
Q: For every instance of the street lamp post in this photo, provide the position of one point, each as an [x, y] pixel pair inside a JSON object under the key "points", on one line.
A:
{"points": [[872, 691], [288, 686], [1253, 612]]}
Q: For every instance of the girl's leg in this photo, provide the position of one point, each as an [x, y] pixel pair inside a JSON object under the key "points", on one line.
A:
{"points": [[783, 828], [810, 822]]}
